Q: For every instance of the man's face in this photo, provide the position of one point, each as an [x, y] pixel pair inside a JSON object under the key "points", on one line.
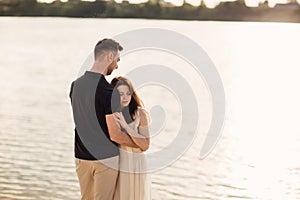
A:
{"points": [[114, 64]]}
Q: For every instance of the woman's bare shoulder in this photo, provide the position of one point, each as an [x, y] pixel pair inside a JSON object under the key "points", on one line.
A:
{"points": [[144, 116]]}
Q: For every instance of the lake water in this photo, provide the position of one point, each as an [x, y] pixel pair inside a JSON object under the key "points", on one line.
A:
{"points": [[257, 156]]}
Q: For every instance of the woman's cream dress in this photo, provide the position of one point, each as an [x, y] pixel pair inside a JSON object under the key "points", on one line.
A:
{"points": [[133, 183]]}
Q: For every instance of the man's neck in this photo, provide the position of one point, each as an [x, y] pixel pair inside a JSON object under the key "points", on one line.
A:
{"points": [[99, 67]]}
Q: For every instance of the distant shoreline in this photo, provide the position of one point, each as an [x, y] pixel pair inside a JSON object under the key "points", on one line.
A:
{"points": [[225, 11]]}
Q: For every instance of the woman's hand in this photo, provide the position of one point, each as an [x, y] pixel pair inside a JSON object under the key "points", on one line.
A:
{"points": [[120, 119]]}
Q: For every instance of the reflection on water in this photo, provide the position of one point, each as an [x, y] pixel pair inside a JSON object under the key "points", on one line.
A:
{"points": [[255, 159]]}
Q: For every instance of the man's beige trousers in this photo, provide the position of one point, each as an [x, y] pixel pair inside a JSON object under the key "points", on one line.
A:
{"points": [[97, 181]]}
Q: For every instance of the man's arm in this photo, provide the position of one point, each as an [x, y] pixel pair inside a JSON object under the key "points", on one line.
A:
{"points": [[116, 134]]}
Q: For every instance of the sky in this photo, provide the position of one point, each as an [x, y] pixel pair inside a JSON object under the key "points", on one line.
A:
{"points": [[208, 3]]}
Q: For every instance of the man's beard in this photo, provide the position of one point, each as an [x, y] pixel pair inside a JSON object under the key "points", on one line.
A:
{"points": [[110, 69]]}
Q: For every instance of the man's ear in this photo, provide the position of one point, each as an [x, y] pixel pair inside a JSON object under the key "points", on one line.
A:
{"points": [[110, 56]]}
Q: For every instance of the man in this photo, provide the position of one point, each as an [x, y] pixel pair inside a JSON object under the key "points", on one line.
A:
{"points": [[96, 132]]}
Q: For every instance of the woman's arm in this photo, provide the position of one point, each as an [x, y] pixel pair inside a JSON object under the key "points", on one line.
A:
{"points": [[141, 139], [116, 134]]}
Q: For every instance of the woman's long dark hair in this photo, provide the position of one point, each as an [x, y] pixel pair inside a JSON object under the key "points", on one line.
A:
{"points": [[135, 101]]}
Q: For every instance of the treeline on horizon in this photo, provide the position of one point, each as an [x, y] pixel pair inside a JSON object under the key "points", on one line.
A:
{"points": [[227, 11]]}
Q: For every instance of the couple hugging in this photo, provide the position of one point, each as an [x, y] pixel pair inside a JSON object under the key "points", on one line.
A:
{"points": [[111, 131]]}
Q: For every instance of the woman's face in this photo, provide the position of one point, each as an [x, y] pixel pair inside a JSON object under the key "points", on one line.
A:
{"points": [[125, 95]]}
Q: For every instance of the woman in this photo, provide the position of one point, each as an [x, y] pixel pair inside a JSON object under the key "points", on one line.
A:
{"points": [[133, 182]]}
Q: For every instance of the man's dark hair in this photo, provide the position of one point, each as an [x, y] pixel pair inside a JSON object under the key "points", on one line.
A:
{"points": [[106, 45]]}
